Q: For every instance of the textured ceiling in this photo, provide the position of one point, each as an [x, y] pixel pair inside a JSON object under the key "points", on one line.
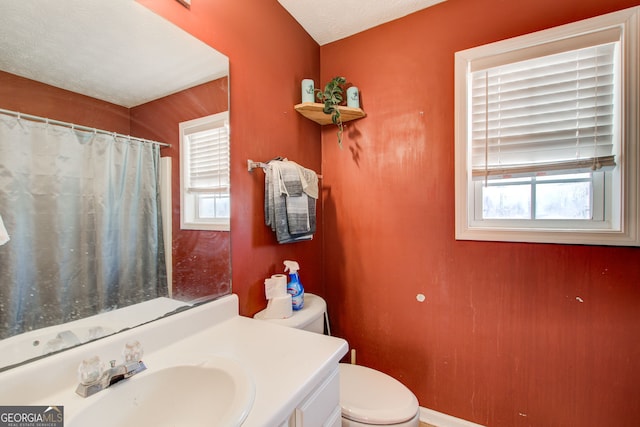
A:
{"points": [[120, 52], [114, 50], [330, 20]]}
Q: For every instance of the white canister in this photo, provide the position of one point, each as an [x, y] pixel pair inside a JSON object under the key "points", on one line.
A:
{"points": [[353, 97], [307, 90]]}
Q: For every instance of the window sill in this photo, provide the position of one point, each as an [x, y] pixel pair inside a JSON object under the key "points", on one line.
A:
{"points": [[206, 226], [571, 237]]}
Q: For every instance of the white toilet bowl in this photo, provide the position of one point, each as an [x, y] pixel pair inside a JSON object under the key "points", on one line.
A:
{"points": [[370, 397], [367, 397]]}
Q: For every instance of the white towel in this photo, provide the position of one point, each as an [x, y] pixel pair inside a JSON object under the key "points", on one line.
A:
{"points": [[4, 236], [309, 180]]}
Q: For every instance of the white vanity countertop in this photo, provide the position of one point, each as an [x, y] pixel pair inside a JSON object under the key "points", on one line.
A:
{"points": [[285, 364]]}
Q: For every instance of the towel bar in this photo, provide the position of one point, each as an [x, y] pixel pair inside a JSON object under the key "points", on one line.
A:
{"points": [[251, 165]]}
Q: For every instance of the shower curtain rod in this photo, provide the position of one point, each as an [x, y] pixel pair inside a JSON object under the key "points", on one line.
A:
{"points": [[79, 127]]}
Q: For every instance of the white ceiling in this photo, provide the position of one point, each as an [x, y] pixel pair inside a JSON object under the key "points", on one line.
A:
{"points": [[121, 52], [115, 50], [330, 20]]}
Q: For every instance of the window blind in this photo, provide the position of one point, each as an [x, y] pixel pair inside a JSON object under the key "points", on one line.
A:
{"points": [[209, 161], [546, 114]]}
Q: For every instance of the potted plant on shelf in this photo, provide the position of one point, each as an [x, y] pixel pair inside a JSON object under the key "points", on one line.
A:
{"points": [[331, 97]]}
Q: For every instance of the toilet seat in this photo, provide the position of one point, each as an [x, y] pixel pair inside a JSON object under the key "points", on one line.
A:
{"points": [[372, 397]]}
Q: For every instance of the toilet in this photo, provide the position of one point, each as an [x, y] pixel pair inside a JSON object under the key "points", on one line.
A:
{"points": [[367, 397]]}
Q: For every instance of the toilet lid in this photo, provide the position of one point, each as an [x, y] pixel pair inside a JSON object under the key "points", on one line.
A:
{"points": [[373, 397]]}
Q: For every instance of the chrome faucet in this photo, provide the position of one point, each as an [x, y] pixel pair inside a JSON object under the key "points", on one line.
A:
{"points": [[94, 378]]}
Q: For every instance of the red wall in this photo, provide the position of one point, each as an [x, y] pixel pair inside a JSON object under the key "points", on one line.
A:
{"points": [[31, 97], [269, 55], [201, 259], [509, 334]]}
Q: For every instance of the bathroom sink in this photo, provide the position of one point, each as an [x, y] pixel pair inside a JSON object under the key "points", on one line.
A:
{"points": [[216, 391]]}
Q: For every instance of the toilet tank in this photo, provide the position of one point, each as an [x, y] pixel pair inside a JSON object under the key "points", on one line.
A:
{"points": [[310, 318]]}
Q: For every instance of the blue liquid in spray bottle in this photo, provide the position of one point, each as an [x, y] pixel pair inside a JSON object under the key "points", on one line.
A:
{"points": [[294, 286]]}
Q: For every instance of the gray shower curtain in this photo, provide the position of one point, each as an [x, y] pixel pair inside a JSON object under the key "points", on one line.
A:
{"points": [[83, 214]]}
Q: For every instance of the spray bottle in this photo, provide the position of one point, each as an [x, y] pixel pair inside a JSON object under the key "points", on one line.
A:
{"points": [[294, 287]]}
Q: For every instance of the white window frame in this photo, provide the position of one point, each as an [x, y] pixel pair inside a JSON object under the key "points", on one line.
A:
{"points": [[188, 212], [623, 226]]}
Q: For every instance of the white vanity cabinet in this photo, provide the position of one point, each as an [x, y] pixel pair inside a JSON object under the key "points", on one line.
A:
{"points": [[321, 408], [306, 397]]}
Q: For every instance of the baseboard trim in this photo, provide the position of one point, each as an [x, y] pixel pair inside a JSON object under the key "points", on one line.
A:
{"points": [[439, 419]]}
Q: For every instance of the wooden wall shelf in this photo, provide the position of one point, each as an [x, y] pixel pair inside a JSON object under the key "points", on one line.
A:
{"points": [[313, 111]]}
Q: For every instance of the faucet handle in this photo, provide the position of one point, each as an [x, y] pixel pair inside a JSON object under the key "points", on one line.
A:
{"points": [[90, 370], [132, 352]]}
